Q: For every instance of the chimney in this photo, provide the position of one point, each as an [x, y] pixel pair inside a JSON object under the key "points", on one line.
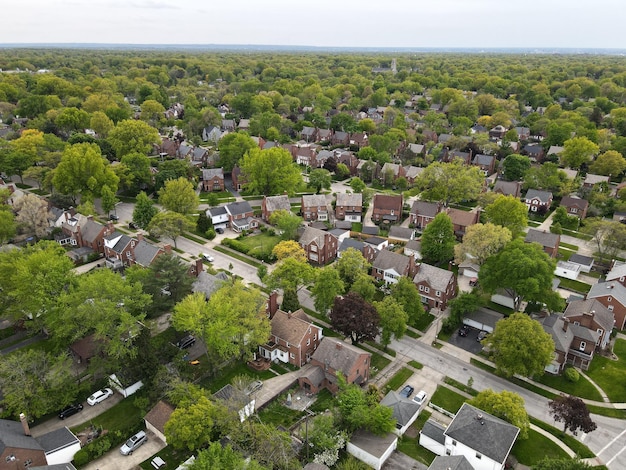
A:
{"points": [[199, 267], [565, 323], [272, 304], [72, 211], [25, 424], [168, 249], [140, 237], [289, 315]]}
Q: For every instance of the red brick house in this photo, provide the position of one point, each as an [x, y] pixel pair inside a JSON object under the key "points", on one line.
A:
{"points": [[462, 219], [575, 206], [423, 212], [387, 207], [390, 172], [349, 207], [593, 315], [359, 139], [436, 286], [314, 207], [573, 344], [213, 179], [612, 295], [538, 201], [294, 338], [508, 188], [270, 204], [389, 266], [85, 232], [320, 246], [549, 241], [238, 179], [333, 356], [486, 163], [241, 216], [117, 250]]}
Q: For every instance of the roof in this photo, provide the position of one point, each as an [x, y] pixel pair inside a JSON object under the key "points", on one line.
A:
{"points": [[425, 208], [508, 188], [401, 232], [612, 288], [350, 199], [351, 243], [483, 160], [602, 315], [91, 230], [437, 278], [145, 253], [210, 173], [58, 466], [548, 239], [57, 439], [543, 196], [413, 172], [275, 203], [555, 150], [159, 415], [553, 325], [12, 435], [370, 230], [291, 327], [403, 408], [434, 430], [617, 271], [582, 260], [569, 201], [595, 179], [375, 240], [462, 218], [389, 260], [373, 444], [393, 167], [388, 202], [208, 283], [239, 207], [314, 200], [450, 462], [483, 432], [117, 242], [316, 235], [485, 317], [338, 355], [215, 211]]}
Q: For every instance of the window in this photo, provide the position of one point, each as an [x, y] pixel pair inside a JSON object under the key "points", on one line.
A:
{"points": [[453, 443], [308, 341], [438, 293], [448, 452], [478, 456], [610, 308], [609, 299], [582, 346], [600, 331], [421, 288], [292, 356], [426, 290], [577, 323]]}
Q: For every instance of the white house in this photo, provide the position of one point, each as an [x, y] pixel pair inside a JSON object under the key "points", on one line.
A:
{"points": [[218, 216], [59, 446], [502, 297], [372, 449], [567, 270], [126, 391]]}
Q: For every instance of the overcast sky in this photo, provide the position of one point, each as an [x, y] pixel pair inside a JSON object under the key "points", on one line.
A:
{"points": [[333, 23]]}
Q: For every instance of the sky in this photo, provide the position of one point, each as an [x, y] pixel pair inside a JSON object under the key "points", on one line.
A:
{"points": [[322, 23]]}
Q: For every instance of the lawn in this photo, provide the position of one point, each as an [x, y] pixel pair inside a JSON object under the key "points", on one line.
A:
{"points": [[324, 401], [226, 375], [447, 399], [410, 445], [379, 362], [172, 458], [423, 322], [537, 447], [259, 244], [575, 286], [396, 381], [581, 449], [582, 388], [275, 414], [610, 375], [124, 417]]}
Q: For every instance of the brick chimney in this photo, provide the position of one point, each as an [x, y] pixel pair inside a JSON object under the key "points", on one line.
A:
{"points": [[168, 249], [272, 304], [565, 323], [25, 424], [199, 267]]}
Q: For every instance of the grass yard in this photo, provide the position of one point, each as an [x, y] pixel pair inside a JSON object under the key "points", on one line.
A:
{"points": [[172, 458], [447, 399], [396, 381], [234, 254], [610, 375], [261, 243], [570, 441], [275, 414], [423, 322], [226, 375], [410, 445], [499, 308], [381, 348], [575, 286], [124, 417], [568, 246], [379, 362], [416, 365], [537, 447], [325, 401], [583, 388]]}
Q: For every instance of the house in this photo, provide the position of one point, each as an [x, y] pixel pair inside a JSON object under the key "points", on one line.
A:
{"points": [[593, 315], [372, 449], [144, 253], [617, 272], [200, 157], [390, 172], [85, 232], [157, 417], [330, 357], [377, 243], [270, 204], [534, 152], [411, 173], [548, 241], [218, 216], [244, 124], [497, 132], [213, 179], [567, 270], [238, 178], [523, 133], [486, 163], [465, 157], [436, 286], [413, 248], [461, 220], [585, 263], [359, 139], [554, 150], [483, 319], [314, 207], [320, 246], [612, 295], [340, 138], [423, 212], [228, 125], [508, 188], [309, 134], [575, 206], [591, 180], [484, 440], [405, 411], [416, 149], [368, 251], [293, 339], [389, 266], [117, 250], [340, 234], [401, 234], [387, 208], [208, 283], [349, 207], [450, 462], [324, 135], [538, 201], [241, 216]]}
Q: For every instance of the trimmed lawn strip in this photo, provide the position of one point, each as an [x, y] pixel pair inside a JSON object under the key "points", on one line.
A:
{"points": [[124, 417], [506, 311], [583, 388], [537, 447], [423, 322], [262, 242], [379, 362], [575, 286], [568, 246], [172, 458], [325, 401], [410, 445], [234, 254], [581, 449], [412, 334], [194, 238], [225, 376], [464, 388], [447, 399], [398, 379], [276, 414], [381, 348], [572, 233], [610, 375], [416, 365]]}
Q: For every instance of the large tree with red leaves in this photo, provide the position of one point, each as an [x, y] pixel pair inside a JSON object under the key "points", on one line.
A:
{"points": [[354, 317]]}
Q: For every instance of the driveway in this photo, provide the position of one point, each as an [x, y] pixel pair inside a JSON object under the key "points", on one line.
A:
{"points": [[468, 343], [276, 385], [113, 460]]}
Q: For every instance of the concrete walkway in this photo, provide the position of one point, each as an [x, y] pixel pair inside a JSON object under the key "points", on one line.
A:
{"points": [[554, 439], [605, 398]]}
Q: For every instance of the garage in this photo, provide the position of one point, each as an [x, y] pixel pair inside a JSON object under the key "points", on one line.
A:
{"points": [[468, 269], [483, 319]]}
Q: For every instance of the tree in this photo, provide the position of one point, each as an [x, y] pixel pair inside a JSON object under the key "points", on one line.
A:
{"points": [[138, 168], [71, 120], [7, 226], [357, 184], [20, 154], [131, 136], [520, 346], [350, 265], [547, 176], [364, 286], [406, 294], [573, 413], [578, 150], [342, 171], [32, 215], [393, 320], [171, 170], [462, 304], [319, 179], [232, 148], [101, 124], [179, 196], [290, 300], [509, 212], [325, 440], [144, 210], [169, 224], [291, 274], [354, 317], [219, 456], [289, 249], [515, 167], [203, 223], [608, 163], [524, 271], [108, 200], [480, 242], [506, 405], [287, 222], [610, 236], [359, 408], [271, 447], [438, 239], [328, 285], [270, 171], [232, 324], [450, 182], [562, 464], [83, 170]]}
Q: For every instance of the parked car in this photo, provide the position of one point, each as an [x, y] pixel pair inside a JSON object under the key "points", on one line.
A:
{"points": [[407, 391], [132, 226], [481, 335], [463, 330], [420, 397], [70, 410], [219, 230], [99, 396], [254, 386], [133, 443], [207, 257], [113, 217], [186, 342]]}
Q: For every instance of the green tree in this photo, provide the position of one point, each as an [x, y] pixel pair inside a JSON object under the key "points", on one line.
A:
{"points": [[393, 319], [108, 199], [364, 286], [72, 119], [290, 300], [509, 212], [608, 163], [328, 285], [232, 148], [573, 413], [578, 150], [144, 210], [506, 405], [169, 224], [171, 170], [609, 236], [360, 409], [450, 182], [138, 168], [18, 155], [319, 179], [326, 440], [406, 294], [291, 274], [515, 167], [519, 345], [438, 240], [562, 464], [101, 124], [270, 171], [203, 223], [287, 222], [350, 266], [7, 226], [354, 317], [547, 176], [131, 136], [480, 242], [357, 184], [462, 304], [524, 271], [219, 456], [289, 249], [179, 196]]}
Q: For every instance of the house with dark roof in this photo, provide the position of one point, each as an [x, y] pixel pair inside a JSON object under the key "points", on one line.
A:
{"points": [[144, 253], [340, 138], [218, 216], [484, 440], [309, 134], [368, 251], [593, 315], [314, 207], [387, 208], [617, 272], [211, 134], [591, 180], [378, 243], [486, 163], [497, 132], [575, 206], [462, 219], [320, 246], [450, 462], [436, 286], [293, 339], [349, 206], [85, 232], [612, 295], [117, 250], [548, 241], [523, 133], [213, 179], [372, 449], [330, 357], [157, 417], [208, 283], [359, 139], [508, 188], [389, 266], [271, 204], [534, 151], [405, 411], [585, 262], [401, 234], [238, 178], [538, 201], [241, 216], [423, 212]]}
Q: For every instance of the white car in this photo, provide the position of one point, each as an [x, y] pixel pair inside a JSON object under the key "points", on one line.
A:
{"points": [[420, 397], [208, 257], [99, 396]]}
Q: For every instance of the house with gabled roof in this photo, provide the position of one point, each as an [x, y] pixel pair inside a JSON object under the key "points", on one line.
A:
{"points": [[314, 207], [416, 149], [508, 188], [157, 417], [208, 284], [368, 251], [271, 204], [405, 411], [486, 163], [387, 208], [612, 295], [411, 173], [85, 231], [423, 212], [340, 138], [117, 250], [575, 206], [391, 172], [359, 139], [534, 151], [213, 179], [320, 246], [538, 201], [450, 462], [218, 215], [241, 216], [238, 178], [436, 286], [591, 180], [389, 266], [617, 272], [293, 339], [462, 219], [548, 241], [497, 132], [144, 253], [484, 440], [349, 206], [309, 134]]}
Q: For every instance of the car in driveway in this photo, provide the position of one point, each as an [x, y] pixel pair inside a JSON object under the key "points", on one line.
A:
{"points": [[407, 391], [99, 396], [463, 330], [219, 230], [70, 410], [114, 217], [481, 335], [186, 342], [420, 397], [133, 443]]}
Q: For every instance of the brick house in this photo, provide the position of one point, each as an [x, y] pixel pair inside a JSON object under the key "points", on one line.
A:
{"points": [[508, 188], [334, 356], [548, 241], [340, 138], [389, 266], [390, 172], [367, 250], [270, 204], [238, 179], [213, 179], [436, 286], [575, 206], [387, 207], [617, 272], [538, 201], [314, 207], [117, 250], [461, 220], [534, 151], [486, 163], [309, 134], [241, 216], [349, 207], [423, 212], [85, 232], [612, 295], [293, 340], [320, 246]]}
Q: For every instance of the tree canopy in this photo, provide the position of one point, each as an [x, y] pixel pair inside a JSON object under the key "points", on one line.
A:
{"points": [[480, 242], [505, 405], [179, 196], [270, 171], [573, 413], [354, 317], [509, 212], [438, 240], [449, 182]]}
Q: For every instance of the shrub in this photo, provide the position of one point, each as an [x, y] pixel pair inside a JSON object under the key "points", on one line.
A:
{"points": [[572, 374], [236, 245], [81, 457], [556, 229], [210, 234]]}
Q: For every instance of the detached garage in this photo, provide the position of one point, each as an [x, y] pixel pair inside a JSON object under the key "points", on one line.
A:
{"points": [[372, 449], [483, 319]]}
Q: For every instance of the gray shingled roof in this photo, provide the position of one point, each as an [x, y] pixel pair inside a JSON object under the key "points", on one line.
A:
{"points": [[602, 315], [275, 203], [401, 232], [543, 196], [548, 239], [450, 462], [617, 271], [434, 430], [348, 199], [508, 188], [208, 283], [145, 253], [239, 207], [389, 260], [373, 444], [215, 211], [12, 435], [602, 289], [91, 230], [209, 173], [57, 439], [582, 260], [311, 234], [437, 278], [351, 243], [484, 160], [291, 327], [314, 200], [403, 408], [553, 325], [337, 354], [483, 432], [425, 208]]}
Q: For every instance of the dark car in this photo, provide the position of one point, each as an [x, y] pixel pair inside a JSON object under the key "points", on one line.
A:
{"points": [[407, 391], [113, 217], [219, 230], [70, 410], [133, 226], [463, 330], [187, 342]]}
